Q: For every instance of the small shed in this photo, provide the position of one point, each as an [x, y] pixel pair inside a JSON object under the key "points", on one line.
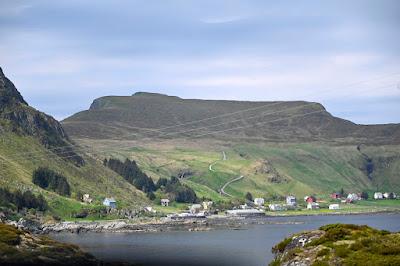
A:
{"points": [[110, 202], [276, 207], [334, 206], [312, 206], [165, 202]]}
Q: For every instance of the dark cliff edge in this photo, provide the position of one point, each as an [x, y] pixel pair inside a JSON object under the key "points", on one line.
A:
{"points": [[18, 117]]}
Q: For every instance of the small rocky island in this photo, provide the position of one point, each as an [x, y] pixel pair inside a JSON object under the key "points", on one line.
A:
{"points": [[339, 244]]}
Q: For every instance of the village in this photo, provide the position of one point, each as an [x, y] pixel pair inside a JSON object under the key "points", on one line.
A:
{"points": [[256, 207]]}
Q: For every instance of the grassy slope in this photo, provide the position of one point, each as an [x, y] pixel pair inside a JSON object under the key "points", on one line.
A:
{"points": [[309, 168], [19, 156], [340, 244]]}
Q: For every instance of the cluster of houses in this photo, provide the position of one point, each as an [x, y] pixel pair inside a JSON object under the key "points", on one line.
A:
{"points": [[195, 211], [291, 203], [256, 207], [386, 195]]}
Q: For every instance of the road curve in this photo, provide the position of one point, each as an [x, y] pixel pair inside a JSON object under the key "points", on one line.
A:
{"points": [[222, 190], [210, 167]]}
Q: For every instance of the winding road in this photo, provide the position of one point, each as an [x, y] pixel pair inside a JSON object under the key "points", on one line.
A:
{"points": [[222, 190], [210, 167]]}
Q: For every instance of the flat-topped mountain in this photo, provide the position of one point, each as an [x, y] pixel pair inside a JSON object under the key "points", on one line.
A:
{"points": [[161, 116]]}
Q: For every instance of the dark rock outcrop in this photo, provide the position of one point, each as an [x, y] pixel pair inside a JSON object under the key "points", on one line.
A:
{"points": [[18, 117]]}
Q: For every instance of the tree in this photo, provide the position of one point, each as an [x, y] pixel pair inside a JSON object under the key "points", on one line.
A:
{"points": [[131, 173], [162, 182], [364, 195], [341, 192], [50, 180], [151, 195], [249, 197]]}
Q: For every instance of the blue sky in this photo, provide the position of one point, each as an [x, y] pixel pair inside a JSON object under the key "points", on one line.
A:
{"points": [[63, 54]]}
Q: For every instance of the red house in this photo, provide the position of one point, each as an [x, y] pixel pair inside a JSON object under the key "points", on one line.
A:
{"points": [[310, 199], [336, 196]]}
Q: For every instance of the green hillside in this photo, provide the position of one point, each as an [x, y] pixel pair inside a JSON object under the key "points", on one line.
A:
{"points": [[30, 139], [269, 169]]}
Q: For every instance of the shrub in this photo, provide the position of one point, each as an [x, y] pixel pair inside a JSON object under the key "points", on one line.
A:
{"points": [[280, 247], [9, 235], [323, 252], [342, 251]]}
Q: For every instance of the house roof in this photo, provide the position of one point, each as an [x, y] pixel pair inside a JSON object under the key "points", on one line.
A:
{"points": [[110, 199]]}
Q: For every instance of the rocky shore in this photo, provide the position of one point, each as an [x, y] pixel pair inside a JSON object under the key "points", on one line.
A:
{"points": [[120, 226]]}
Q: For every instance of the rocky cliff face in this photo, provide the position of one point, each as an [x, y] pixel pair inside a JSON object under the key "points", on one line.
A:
{"points": [[18, 117]]}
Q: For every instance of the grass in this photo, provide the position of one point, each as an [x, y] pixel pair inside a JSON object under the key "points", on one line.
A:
{"points": [[20, 156], [344, 244], [309, 168]]}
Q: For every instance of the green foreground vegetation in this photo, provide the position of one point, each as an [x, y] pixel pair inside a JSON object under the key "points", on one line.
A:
{"points": [[339, 244], [18, 247]]}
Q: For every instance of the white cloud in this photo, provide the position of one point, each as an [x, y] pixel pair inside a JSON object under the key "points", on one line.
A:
{"points": [[222, 20]]}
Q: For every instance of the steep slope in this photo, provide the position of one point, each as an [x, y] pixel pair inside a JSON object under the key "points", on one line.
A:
{"points": [[156, 115], [30, 139], [18, 117]]}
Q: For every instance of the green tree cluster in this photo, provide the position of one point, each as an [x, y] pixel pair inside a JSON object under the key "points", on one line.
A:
{"points": [[132, 173], [21, 200], [50, 180]]}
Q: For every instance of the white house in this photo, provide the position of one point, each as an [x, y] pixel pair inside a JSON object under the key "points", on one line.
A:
{"points": [[378, 195], [207, 205], [110, 202], [291, 201], [386, 195], [165, 202], [86, 198], [334, 206], [276, 207], [312, 206], [259, 201], [195, 208], [352, 197]]}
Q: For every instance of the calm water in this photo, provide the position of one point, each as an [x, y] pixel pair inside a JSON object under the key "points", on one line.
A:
{"points": [[221, 247]]}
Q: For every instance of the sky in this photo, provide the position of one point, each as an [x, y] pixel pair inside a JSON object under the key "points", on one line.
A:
{"points": [[62, 55]]}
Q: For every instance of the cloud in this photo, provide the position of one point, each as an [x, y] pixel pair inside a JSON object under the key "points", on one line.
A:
{"points": [[222, 20], [12, 8], [213, 50]]}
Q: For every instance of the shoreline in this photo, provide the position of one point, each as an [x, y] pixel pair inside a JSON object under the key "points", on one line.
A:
{"points": [[167, 225]]}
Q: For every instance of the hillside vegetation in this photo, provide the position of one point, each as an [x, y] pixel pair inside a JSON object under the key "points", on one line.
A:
{"points": [[18, 247], [31, 141], [339, 244], [269, 169], [279, 147]]}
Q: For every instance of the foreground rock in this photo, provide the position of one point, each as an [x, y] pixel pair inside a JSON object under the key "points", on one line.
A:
{"points": [[339, 244], [18, 247]]}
